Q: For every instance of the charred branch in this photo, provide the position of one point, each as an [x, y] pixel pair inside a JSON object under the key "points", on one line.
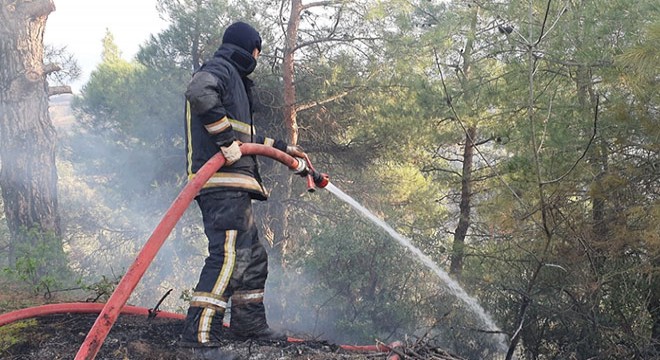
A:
{"points": [[346, 39], [313, 104], [58, 90], [431, 169], [51, 68], [423, 350]]}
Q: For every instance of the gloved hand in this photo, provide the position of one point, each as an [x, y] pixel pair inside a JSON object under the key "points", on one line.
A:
{"points": [[232, 152], [295, 151]]}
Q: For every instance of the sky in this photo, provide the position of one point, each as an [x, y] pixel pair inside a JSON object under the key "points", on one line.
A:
{"points": [[80, 25]]}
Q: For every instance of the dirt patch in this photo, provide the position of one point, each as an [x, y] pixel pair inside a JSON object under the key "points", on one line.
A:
{"points": [[138, 337]]}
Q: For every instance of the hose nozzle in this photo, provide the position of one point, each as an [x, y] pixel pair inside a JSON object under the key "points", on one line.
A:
{"points": [[321, 179], [314, 178]]}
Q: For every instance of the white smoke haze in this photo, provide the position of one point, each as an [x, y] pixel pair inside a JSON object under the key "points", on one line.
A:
{"points": [[104, 232], [106, 229]]}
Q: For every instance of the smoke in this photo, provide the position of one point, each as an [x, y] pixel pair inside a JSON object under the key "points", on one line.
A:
{"points": [[111, 200], [294, 305]]}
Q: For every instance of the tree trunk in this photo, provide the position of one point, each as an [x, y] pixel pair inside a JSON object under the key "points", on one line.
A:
{"points": [[653, 308], [288, 74], [282, 236], [194, 50], [458, 247], [28, 177]]}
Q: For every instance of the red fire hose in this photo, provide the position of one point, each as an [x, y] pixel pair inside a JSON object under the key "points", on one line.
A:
{"points": [[113, 307], [94, 308], [77, 308]]}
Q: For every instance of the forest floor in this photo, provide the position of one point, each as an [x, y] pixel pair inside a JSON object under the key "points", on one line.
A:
{"points": [[133, 337], [138, 337]]}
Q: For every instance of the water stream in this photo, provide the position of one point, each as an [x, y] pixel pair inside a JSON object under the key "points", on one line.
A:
{"points": [[451, 284]]}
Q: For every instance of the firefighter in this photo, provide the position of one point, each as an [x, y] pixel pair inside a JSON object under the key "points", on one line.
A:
{"points": [[219, 118]]}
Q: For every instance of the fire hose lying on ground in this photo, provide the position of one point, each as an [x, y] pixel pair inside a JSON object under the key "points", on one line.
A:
{"points": [[116, 304], [95, 308]]}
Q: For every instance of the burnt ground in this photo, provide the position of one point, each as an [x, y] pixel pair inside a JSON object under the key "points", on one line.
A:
{"points": [[134, 337], [138, 337]]}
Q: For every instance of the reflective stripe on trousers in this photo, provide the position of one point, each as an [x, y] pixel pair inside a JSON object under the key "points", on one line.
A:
{"points": [[236, 268]]}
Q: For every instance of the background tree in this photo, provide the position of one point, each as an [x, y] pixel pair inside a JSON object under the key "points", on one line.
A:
{"points": [[304, 39], [563, 124], [28, 176], [638, 66]]}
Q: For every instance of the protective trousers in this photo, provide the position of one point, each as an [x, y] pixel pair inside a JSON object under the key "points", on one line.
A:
{"points": [[236, 268]]}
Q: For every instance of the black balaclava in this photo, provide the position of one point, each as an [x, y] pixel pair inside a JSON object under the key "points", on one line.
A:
{"points": [[238, 42], [243, 36]]}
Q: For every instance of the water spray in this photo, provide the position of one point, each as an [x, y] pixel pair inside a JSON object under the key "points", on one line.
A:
{"points": [[454, 287]]}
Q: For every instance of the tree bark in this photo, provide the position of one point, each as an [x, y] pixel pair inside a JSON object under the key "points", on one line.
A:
{"points": [[280, 228], [653, 308], [458, 247], [195, 51], [28, 176], [290, 113]]}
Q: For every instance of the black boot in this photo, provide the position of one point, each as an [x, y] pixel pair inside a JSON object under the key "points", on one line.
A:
{"points": [[209, 351], [266, 334], [248, 321], [191, 328]]}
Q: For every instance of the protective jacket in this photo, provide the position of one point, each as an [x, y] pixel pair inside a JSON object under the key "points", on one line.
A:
{"points": [[218, 112]]}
